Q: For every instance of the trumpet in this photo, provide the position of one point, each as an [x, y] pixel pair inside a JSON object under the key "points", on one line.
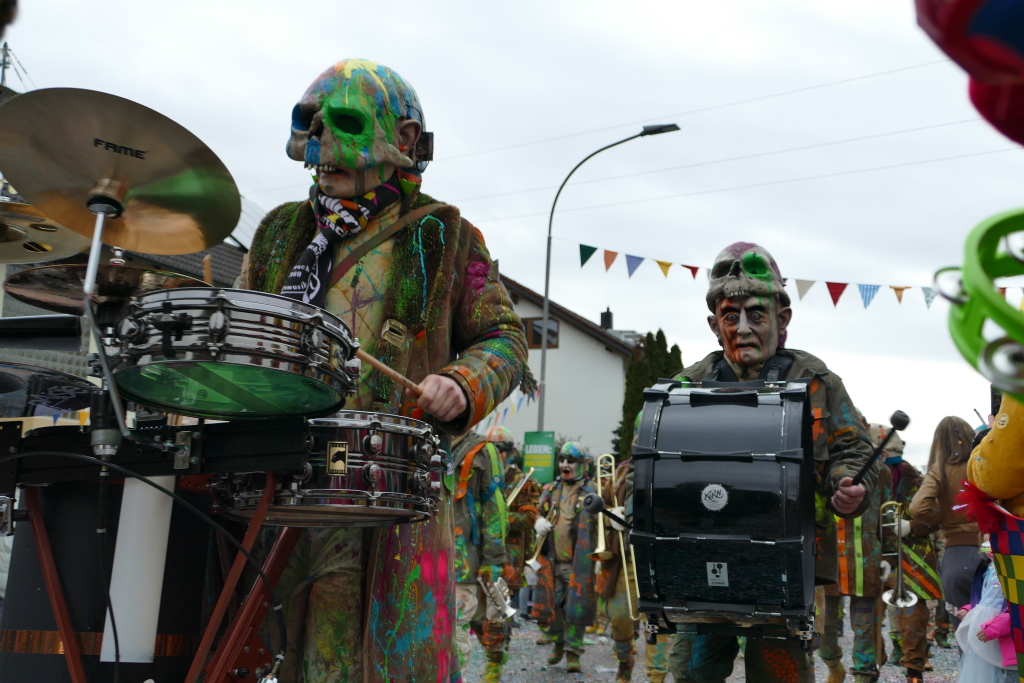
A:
{"points": [[898, 596], [606, 467], [519, 486], [534, 564]]}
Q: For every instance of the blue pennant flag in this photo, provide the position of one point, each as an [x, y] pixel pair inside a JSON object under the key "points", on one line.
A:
{"points": [[632, 263], [867, 293]]}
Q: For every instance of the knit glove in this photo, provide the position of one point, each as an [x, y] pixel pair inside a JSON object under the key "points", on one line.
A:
{"points": [[542, 526]]}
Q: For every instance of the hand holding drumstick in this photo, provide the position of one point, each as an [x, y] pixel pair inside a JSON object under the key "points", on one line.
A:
{"points": [[440, 396]]}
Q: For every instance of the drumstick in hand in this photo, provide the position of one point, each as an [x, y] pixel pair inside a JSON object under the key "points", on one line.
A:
{"points": [[208, 269], [393, 374]]}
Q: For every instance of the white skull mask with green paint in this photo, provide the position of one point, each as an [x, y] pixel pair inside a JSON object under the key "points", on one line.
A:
{"points": [[349, 115]]}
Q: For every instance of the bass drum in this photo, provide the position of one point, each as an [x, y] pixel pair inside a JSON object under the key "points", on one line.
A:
{"points": [[723, 508], [365, 469]]}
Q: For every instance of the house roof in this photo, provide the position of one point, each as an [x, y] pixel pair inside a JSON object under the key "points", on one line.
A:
{"points": [[562, 313], [226, 263]]}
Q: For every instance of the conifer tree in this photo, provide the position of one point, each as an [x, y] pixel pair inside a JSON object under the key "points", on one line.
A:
{"points": [[651, 360]]}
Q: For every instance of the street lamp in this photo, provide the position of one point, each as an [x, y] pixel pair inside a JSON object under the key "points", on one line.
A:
{"points": [[657, 129]]}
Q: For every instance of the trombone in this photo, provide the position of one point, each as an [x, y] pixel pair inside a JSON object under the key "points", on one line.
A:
{"points": [[606, 468], [898, 596], [519, 486]]}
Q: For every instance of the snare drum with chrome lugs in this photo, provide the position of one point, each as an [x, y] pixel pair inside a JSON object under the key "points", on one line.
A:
{"points": [[365, 469], [233, 353]]}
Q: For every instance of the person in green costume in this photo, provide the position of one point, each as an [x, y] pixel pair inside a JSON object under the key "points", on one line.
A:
{"points": [[379, 604], [749, 315]]}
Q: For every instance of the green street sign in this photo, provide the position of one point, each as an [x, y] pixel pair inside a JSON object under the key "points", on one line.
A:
{"points": [[539, 453]]}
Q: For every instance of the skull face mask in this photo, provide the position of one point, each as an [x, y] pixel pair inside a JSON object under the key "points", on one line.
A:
{"points": [[742, 270], [348, 118]]}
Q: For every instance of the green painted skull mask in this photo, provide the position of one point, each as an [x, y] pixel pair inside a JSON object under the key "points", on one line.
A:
{"points": [[348, 118]]}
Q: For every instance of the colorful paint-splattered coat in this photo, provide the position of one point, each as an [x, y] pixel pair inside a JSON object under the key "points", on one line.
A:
{"points": [[522, 513], [444, 290], [860, 546], [481, 519], [920, 559], [581, 601], [841, 446]]}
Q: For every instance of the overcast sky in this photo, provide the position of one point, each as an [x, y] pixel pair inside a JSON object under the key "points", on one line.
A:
{"points": [[494, 79]]}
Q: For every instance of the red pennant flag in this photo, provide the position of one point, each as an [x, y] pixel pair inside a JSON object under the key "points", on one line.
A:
{"points": [[609, 258], [692, 269], [1002, 292], [835, 290]]}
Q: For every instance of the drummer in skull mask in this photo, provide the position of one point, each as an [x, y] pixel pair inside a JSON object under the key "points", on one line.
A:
{"points": [[564, 601], [750, 314], [417, 286]]}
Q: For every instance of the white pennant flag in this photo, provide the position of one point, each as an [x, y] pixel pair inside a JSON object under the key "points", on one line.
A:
{"points": [[802, 286]]}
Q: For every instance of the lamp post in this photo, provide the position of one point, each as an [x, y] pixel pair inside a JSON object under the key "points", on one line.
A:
{"points": [[648, 130]]}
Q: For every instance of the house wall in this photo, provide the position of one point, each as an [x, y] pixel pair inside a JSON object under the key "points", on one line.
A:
{"points": [[586, 383]]}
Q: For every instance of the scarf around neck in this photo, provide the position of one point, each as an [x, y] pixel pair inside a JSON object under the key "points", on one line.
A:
{"points": [[336, 219]]}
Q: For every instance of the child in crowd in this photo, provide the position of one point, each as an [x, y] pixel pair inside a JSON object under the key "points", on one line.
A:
{"points": [[984, 636]]}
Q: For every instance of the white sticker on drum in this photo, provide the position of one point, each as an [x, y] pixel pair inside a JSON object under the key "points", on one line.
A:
{"points": [[718, 574], [714, 497], [337, 457]]}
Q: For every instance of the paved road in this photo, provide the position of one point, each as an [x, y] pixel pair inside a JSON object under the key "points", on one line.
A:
{"points": [[527, 663]]}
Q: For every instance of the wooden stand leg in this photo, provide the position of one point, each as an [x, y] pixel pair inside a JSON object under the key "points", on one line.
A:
{"points": [[72, 650]]}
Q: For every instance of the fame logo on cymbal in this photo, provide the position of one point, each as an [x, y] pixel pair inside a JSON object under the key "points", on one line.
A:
{"points": [[120, 149]]}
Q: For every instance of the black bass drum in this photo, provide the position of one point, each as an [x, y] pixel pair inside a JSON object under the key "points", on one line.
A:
{"points": [[723, 508]]}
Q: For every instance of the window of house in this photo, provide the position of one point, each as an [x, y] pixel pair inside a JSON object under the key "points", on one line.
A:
{"points": [[535, 328]]}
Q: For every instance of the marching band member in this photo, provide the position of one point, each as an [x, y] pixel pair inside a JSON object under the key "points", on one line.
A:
{"points": [[862, 573], [564, 602], [415, 282], [481, 527], [750, 313], [522, 511]]}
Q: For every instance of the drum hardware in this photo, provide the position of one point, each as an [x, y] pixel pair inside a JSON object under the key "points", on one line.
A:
{"points": [[594, 505], [519, 486], [42, 333], [898, 596], [899, 421]]}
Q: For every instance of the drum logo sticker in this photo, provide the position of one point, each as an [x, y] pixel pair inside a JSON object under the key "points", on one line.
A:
{"points": [[718, 574], [337, 457], [714, 497]]}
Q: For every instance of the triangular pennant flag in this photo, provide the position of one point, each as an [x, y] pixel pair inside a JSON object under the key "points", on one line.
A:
{"points": [[585, 254], [609, 259], [513, 409], [707, 271], [867, 293], [929, 296], [56, 416], [519, 406], [835, 290], [504, 415], [693, 270], [803, 286], [664, 265], [632, 263], [899, 292]]}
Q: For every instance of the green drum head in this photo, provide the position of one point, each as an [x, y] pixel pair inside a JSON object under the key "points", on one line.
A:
{"points": [[226, 390]]}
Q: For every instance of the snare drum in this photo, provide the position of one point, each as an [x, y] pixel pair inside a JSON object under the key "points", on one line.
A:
{"points": [[723, 507], [233, 353], [365, 469]]}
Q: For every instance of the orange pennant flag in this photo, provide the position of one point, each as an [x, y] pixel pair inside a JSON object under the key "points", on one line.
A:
{"points": [[899, 292], [609, 259], [664, 265]]}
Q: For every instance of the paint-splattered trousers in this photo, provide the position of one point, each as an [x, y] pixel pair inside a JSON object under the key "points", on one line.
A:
{"points": [[570, 635], [913, 626], [941, 617], [624, 628], [470, 612], [864, 623], [709, 659], [656, 658]]}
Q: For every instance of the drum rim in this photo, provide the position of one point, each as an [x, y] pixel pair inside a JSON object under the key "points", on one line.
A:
{"points": [[406, 425]]}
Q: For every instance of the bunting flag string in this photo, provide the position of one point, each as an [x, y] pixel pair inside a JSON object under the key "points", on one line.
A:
{"points": [[835, 289]]}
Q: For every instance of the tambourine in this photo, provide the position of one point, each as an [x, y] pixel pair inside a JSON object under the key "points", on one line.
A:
{"points": [[988, 331]]}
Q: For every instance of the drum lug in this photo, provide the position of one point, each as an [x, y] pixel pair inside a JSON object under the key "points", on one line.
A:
{"points": [[310, 341], [183, 452], [170, 324], [218, 326], [373, 443], [371, 473], [6, 515]]}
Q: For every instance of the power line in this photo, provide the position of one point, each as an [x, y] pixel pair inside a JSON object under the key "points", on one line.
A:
{"points": [[699, 110], [22, 66], [756, 185], [727, 159], [683, 113]]}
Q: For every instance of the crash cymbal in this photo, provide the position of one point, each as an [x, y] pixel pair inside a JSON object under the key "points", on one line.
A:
{"points": [[27, 236], [62, 146], [59, 288], [28, 391]]}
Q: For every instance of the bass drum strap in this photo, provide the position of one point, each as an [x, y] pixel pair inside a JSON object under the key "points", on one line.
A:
{"points": [[774, 370]]}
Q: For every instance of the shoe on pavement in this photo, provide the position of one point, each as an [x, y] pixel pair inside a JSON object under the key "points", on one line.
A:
{"points": [[915, 676], [837, 673], [492, 673], [572, 663], [545, 639], [557, 654], [625, 672], [942, 639]]}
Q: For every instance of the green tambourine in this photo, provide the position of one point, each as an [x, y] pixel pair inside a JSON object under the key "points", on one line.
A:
{"points": [[995, 249]]}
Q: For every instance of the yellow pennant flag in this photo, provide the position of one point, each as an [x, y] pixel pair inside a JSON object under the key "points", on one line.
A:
{"points": [[899, 292], [664, 265]]}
